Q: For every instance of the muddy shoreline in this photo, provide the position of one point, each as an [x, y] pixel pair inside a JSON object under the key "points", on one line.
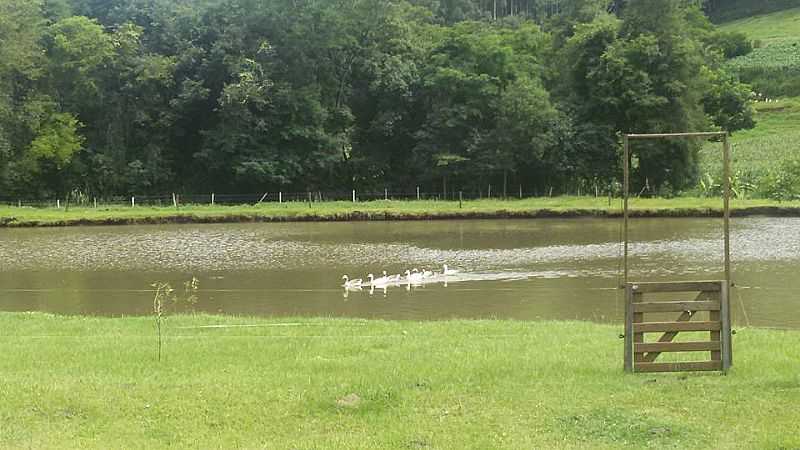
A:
{"points": [[359, 216]]}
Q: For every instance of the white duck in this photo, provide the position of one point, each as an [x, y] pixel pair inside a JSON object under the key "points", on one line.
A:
{"points": [[448, 271], [378, 282], [413, 277], [391, 278], [348, 283]]}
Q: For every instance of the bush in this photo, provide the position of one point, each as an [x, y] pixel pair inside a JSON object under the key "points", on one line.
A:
{"points": [[783, 183], [732, 43]]}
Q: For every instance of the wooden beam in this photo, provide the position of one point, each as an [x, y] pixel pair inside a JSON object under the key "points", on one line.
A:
{"points": [[679, 366], [650, 307], [725, 333], [701, 346], [707, 134], [677, 286], [652, 327], [669, 336], [638, 317], [625, 194], [628, 353]]}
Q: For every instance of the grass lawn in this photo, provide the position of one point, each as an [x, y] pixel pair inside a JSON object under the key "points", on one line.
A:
{"points": [[26, 216], [80, 382]]}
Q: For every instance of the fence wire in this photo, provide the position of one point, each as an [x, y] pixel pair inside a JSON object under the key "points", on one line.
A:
{"points": [[176, 200]]}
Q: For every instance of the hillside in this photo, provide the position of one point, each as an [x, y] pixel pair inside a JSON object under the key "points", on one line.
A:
{"points": [[721, 11], [766, 159], [773, 68], [768, 28]]}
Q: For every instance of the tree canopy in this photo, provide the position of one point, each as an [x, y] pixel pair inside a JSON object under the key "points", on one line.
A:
{"points": [[148, 96]]}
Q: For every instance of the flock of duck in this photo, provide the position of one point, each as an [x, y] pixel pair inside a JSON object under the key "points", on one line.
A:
{"points": [[412, 277]]}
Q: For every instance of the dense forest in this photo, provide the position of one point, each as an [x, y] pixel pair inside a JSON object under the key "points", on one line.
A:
{"points": [[112, 97]]}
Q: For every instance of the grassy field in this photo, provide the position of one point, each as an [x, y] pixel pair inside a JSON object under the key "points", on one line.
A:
{"points": [[79, 382], [757, 152], [763, 155], [774, 67], [730, 10], [767, 28], [382, 210]]}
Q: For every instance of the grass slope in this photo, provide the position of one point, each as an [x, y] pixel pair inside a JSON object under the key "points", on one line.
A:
{"points": [[767, 28], [728, 10], [78, 382], [763, 152], [774, 68], [382, 210], [756, 152]]}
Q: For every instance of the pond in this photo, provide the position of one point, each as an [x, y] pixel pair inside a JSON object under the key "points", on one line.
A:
{"points": [[516, 269]]}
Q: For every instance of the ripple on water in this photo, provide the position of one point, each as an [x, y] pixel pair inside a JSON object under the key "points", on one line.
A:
{"points": [[265, 247]]}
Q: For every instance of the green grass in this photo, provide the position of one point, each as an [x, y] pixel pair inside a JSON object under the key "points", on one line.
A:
{"points": [[774, 68], [729, 10], [79, 382], [378, 210], [762, 150], [768, 27]]}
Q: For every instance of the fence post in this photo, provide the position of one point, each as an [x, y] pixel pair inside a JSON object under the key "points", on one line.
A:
{"points": [[417, 192], [520, 192], [280, 197], [212, 199], [354, 195], [309, 199], [58, 204], [460, 198], [174, 200], [95, 202], [133, 201], [385, 194], [489, 193]]}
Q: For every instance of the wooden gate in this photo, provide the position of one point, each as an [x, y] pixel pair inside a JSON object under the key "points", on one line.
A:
{"points": [[711, 296]]}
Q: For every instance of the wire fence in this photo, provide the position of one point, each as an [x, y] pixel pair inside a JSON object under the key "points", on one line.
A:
{"points": [[177, 200]]}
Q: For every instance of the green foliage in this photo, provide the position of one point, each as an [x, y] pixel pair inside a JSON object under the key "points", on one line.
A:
{"points": [[732, 43], [783, 182], [253, 96], [728, 102], [57, 141]]}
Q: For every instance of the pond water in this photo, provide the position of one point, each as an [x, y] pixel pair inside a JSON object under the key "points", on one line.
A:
{"points": [[520, 269]]}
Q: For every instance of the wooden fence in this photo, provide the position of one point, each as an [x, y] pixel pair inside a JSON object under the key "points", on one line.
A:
{"points": [[712, 296]]}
